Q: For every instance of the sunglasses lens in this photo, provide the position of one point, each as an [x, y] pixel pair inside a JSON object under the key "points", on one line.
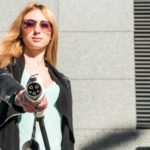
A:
{"points": [[29, 25], [45, 26]]}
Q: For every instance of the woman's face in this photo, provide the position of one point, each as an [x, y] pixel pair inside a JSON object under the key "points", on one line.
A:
{"points": [[36, 31]]}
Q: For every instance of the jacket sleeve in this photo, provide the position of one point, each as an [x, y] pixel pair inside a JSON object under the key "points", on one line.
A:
{"points": [[9, 87]]}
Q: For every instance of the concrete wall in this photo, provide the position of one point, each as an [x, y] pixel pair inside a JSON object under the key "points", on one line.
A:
{"points": [[96, 51]]}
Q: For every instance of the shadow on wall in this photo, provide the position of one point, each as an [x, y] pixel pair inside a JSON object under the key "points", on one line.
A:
{"points": [[143, 148], [112, 140]]}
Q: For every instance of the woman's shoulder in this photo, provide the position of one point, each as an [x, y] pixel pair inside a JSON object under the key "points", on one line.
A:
{"points": [[64, 76], [60, 75], [58, 72]]}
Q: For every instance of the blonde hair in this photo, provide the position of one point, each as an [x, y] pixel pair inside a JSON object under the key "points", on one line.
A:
{"points": [[12, 46]]}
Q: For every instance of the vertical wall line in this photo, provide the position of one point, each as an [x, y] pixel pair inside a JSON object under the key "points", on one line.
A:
{"points": [[58, 14]]}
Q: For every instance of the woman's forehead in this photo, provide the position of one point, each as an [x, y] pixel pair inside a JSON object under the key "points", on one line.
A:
{"points": [[35, 14]]}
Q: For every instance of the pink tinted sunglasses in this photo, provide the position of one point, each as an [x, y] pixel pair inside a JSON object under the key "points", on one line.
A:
{"points": [[30, 24]]}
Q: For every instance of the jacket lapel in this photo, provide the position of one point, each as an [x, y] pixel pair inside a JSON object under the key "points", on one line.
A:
{"points": [[18, 67], [64, 102]]}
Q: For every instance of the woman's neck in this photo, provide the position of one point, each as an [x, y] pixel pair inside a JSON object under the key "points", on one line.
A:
{"points": [[34, 59]]}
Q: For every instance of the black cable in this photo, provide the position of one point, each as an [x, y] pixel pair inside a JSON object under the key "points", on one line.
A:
{"points": [[44, 133]]}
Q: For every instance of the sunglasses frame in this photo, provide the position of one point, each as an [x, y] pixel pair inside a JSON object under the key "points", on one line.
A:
{"points": [[33, 23]]}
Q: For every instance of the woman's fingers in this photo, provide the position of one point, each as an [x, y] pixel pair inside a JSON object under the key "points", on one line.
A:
{"points": [[29, 106], [42, 105], [19, 97]]}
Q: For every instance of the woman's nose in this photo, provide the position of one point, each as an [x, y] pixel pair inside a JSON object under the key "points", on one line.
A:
{"points": [[37, 29]]}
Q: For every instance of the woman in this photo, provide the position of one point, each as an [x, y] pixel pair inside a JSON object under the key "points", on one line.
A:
{"points": [[30, 48]]}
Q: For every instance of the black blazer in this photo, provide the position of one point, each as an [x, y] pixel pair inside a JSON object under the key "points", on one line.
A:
{"points": [[9, 113]]}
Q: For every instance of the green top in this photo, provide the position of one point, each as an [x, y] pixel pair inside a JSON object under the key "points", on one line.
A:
{"points": [[52, 119]]}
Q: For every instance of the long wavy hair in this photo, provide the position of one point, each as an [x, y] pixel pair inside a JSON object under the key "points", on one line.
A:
{"points": [[12, 46]]}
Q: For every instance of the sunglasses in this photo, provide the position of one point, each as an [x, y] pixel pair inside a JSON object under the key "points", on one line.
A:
{"points": [[30, 24]]}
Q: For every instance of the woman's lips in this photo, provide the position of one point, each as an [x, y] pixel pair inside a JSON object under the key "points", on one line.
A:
{"points": [[36, 39]]}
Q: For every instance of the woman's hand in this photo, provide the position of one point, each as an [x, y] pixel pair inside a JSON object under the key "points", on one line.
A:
{"points": [[29, 106]]}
